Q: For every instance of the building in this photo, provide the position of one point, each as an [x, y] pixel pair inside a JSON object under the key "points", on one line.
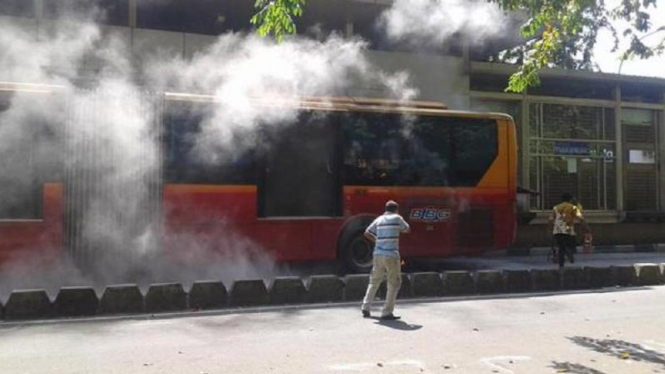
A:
{"points": [[599, 136]]}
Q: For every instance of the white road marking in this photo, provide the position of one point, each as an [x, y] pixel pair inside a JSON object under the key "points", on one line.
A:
{"points": [[653, 342], [498, 362]]}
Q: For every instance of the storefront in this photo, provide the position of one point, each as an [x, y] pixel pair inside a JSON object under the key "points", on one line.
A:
{"points": [[597, 136]]}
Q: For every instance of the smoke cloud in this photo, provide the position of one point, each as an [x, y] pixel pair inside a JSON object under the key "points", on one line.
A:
{"points": [[102, 112], [436, 21]]}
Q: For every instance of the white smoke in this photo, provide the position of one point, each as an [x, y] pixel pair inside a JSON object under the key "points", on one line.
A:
{"points": [[248, 75], [436, 21], [97, 107]]}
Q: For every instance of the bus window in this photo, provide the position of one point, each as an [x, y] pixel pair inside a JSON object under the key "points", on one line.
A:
{"points": [[397, 150], [475, 148], [20, 189], [187, 161], [375, 152], [300, 178], [31, 153], [430, 150]]}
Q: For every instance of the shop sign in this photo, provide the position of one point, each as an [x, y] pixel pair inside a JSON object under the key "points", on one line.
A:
{"points": [[571, 148]]}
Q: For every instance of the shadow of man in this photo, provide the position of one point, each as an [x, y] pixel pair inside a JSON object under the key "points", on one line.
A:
{"points": [[397, 324]]}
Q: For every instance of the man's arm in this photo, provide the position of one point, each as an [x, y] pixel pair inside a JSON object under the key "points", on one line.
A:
{"points": [[370, 232], [371, 237], [405, 227]]}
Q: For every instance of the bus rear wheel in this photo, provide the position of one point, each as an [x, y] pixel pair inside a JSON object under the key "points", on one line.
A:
{"points": [[357, 254]]}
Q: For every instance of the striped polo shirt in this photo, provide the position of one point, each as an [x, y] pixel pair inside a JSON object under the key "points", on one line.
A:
{"points": [[387, 228]]}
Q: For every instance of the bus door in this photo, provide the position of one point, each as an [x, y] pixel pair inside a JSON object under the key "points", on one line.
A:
{"points": [[300, 180]]}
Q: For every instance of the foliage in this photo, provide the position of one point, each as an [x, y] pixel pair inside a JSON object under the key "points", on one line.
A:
{"points": [[560, 33], [276, 17], [563, 33]]}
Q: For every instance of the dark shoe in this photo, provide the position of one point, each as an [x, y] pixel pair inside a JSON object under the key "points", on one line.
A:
{"points": [[366, 314], [390, 317]]}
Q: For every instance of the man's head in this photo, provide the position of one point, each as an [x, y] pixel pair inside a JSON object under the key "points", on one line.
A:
{"points": [[567, 197], [391, 206]]}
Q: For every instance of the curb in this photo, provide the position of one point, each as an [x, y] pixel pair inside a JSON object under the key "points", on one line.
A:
{"points": [[212, 295]]}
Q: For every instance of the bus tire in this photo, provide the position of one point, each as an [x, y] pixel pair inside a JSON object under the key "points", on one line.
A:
{"points": [[356, 253]]}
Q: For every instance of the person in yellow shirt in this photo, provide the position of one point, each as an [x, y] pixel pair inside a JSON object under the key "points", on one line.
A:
{"points": [[562, 220]]}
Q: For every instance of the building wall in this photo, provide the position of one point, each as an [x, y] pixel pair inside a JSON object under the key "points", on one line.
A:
{"points": [[598, 136]]}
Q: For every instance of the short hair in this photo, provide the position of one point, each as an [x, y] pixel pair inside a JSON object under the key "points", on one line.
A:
{"points": [[391, 206], [567, 197]]}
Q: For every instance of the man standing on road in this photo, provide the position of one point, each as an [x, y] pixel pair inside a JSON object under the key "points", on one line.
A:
{"points": [[563, 219], [384, 233]]}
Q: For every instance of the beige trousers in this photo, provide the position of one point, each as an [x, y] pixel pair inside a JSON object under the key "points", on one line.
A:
{"points": [[384, 266]]}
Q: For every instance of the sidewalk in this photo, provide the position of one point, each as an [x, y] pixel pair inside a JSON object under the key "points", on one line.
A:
{"points": [[543, 251]]}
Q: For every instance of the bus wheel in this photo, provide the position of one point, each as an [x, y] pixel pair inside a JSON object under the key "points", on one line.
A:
{"points": [[357, 254]]}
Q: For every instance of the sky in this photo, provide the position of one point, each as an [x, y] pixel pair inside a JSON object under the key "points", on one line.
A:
{"points": [[609, 62]]}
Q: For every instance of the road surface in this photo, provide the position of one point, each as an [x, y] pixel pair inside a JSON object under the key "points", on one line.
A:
{"points": [[609, 331]]}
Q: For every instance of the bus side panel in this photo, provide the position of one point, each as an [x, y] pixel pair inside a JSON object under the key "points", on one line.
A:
{"points": [[324, 239], [201, 220], [32, 239], [480, 219], [426, 238], [209, 219]]}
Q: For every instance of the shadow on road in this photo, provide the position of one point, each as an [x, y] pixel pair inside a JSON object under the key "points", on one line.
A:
{"points": [[567, 367], [397, 325], [620, 349]]}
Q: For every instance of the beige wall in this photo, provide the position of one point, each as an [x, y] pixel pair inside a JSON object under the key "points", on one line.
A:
{"points": [[437, 78]]}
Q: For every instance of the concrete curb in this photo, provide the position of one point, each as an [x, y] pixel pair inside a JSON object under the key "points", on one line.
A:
{"points": [[121, 299], [207, 295], [165, 297], [574, 278], [647, 274], [517, 280], [172, 298], [248, 293], [287, 290], [427, 284], [324, 289], [624, 275], [76, 302], [457, 283], [598, 277], [28, 304], [355, 286], [490, 282], [546, 279]]}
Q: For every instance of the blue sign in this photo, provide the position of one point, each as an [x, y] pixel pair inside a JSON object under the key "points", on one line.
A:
{"points": [[429, 214], [571, 148]]}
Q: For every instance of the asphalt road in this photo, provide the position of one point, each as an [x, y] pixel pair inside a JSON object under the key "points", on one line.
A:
{"points": [[609, 331]]}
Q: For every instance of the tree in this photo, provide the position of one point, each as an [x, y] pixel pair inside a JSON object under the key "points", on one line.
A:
{"points": [[559, 33], [276, 17]]}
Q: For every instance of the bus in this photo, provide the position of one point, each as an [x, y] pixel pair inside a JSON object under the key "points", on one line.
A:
{"points": [[302, 189]]}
